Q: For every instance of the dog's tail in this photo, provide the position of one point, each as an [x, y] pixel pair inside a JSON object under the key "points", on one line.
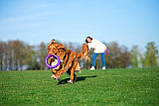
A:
{"points": [[84, 51]]}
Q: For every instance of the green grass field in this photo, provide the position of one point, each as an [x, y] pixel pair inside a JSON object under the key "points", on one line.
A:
{"points": [[127, 87]]}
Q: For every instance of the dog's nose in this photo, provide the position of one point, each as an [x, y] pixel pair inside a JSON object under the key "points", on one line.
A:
{"points": [[52, 59], [53, 77]]}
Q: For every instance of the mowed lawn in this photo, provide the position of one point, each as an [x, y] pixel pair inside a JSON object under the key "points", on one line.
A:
{"points": [[127, 87]]}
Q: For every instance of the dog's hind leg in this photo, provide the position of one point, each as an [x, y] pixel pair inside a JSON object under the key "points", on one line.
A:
{"points": [[72, 76], [75, 78]]}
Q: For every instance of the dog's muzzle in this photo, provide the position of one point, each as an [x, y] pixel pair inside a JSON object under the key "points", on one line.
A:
{"points": [[54, 77], [55, 61]]}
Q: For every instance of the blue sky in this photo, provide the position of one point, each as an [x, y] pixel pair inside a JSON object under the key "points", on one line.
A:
{"points": [[129, 22]]}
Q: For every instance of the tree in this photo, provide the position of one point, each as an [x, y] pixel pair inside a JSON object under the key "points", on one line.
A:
{"points": [[19, 55], [134, 56], [125, 57], [42, 53], [10, 51], [32, 59], [151, 55], [119, 56], [3, 55]]}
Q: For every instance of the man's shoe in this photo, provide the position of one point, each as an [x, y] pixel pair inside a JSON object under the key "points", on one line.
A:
{"points": [[92, 68], [103, 68]]}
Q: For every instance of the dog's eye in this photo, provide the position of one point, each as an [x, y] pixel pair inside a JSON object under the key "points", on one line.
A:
{"points": [[63, 49]]}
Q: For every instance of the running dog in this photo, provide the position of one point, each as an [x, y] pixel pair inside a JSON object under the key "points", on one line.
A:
{"points": [[68, 60]]}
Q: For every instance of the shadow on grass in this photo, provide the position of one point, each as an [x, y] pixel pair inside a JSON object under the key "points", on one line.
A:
{"points": [[82, 78]]}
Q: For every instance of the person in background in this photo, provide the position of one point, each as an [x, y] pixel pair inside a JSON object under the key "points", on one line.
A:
{"points": [[99, 48]]}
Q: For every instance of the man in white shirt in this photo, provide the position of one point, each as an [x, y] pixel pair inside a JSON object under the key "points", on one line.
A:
{"points": [[99, 48]]}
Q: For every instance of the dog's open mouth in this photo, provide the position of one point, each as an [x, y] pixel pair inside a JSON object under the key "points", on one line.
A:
{"points": [[53, 62]]}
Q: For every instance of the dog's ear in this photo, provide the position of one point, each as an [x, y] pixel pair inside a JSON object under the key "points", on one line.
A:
{"points": [[52, 41]]}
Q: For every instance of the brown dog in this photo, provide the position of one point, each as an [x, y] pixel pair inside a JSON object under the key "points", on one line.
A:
{"points": [[68, 60]]}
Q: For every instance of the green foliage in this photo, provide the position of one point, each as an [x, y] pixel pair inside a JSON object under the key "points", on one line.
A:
{"points": [[12, 55], [125, 87], [31, 60], [151, 55], [15, 54], [134, 54], [42, 53], [119, 56]]}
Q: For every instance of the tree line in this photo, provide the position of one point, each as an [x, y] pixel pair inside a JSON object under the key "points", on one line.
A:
{"points": [[18, 55]]}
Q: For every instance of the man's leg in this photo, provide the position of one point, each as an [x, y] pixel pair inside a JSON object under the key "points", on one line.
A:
{"points": [[94, 61], [103, 60]]}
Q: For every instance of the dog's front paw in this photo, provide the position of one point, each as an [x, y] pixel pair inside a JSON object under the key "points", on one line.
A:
{"points": [[70, 81]]}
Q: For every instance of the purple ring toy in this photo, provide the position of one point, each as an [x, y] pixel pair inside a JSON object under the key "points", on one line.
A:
{"points": [[107, 53], [46, 61]]}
